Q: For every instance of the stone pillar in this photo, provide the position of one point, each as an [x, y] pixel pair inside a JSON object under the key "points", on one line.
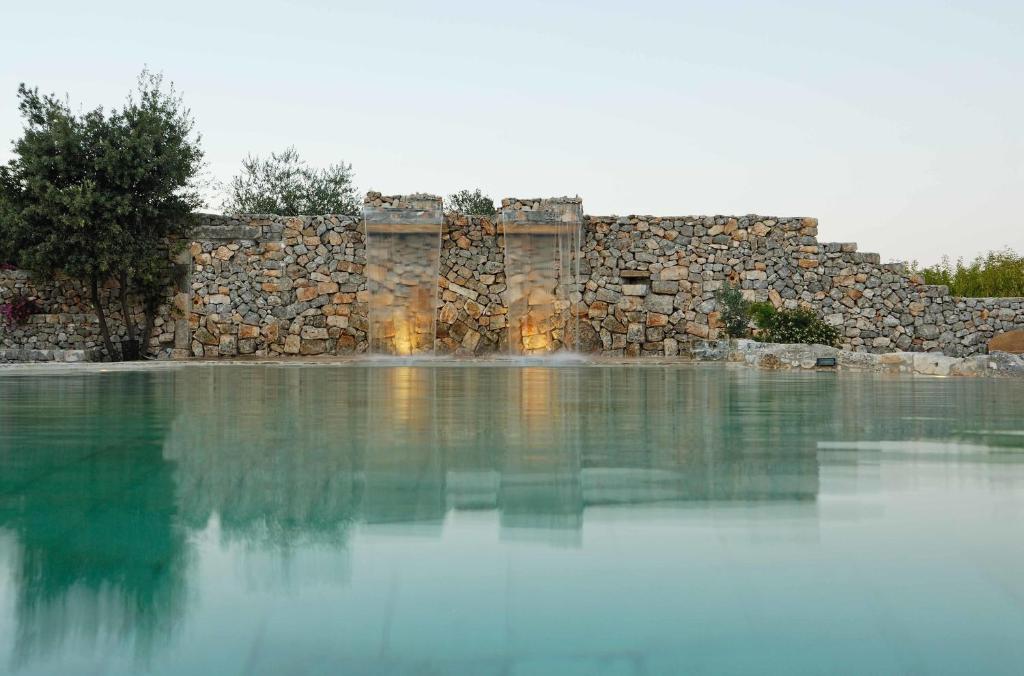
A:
{"points": [[542, 248], [403, 245]]}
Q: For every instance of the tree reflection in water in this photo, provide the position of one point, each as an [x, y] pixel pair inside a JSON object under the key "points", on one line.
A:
{"points": [[104, 500], [98, 556]]}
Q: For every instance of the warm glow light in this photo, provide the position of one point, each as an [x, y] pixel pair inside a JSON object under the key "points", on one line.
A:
{"points": [[403, 338]]}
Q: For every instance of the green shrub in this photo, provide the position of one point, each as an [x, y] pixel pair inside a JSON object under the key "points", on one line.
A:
{"points": [[793, 326], [473, 202], [735, 311], [996, 274], [761, 313]]}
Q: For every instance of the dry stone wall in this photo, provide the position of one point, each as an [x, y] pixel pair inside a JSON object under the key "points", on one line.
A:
{"points": [[268, 286], [649, 286], [542, 242], [472, 316], [66, 327]]}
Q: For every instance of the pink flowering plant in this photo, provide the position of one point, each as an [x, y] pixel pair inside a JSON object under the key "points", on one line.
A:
{"points": [[18, 310]]}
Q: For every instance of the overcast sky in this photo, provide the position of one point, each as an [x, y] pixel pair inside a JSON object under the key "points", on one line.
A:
{"points": [[900, 125]]}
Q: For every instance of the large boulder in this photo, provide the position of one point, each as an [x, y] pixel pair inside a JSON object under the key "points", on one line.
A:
{"points": [[1011, 341]]}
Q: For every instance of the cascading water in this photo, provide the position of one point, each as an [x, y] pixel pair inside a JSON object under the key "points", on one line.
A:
{"points": [[542, 270], [403, 241]]}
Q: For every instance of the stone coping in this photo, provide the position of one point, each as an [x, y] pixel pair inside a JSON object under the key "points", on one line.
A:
{"points": [[804, 357], [41, 355], [736, 353]]}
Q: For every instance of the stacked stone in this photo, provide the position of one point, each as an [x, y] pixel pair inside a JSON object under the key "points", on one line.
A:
{"points": [[472, 315], [268, 286], [67, 322], [297, 289], [571, 208], [418, 201], [404, 234], [650, 283], [541, 247]]}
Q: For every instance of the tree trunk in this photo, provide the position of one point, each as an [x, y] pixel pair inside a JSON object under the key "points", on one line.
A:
{"points": [[126, 315], [147, 331], [94, 288]]}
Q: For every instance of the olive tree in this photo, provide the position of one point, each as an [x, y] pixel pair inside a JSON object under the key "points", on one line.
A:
{"points": [[285, 184], [99, 196], [152, 163], [472, 202]]}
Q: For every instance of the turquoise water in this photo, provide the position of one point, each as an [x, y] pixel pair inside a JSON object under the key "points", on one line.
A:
{"points": [[509, 520]]}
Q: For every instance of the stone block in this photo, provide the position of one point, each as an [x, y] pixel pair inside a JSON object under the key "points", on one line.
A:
{"points": [[699, 330], [659, 303], [933, 364], [228, 345], [313, 333], [315, 346], [1010, 341], [674, 273], [324, 288]]}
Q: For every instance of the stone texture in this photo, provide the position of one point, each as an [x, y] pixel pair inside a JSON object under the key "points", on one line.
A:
{"points": [[878, 307], [471, 316], [66, 328], [263, 285], [1011, 341], [774, 356]]}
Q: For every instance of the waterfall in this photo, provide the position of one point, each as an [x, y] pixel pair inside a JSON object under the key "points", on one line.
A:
{"points": [[403, 250], [542, 273]]}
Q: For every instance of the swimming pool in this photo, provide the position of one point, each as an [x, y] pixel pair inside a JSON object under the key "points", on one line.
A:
{"points": [[494, 519]]}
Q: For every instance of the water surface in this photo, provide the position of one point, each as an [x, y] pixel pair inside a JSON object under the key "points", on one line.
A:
{"points": [[501, 519]]}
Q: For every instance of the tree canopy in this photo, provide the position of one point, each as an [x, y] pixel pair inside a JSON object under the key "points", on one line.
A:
{"points": [[98, 196], [285, 184], [472, 202]]}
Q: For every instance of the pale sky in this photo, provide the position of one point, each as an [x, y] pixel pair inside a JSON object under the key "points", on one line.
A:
{"points": [[900, 125]]}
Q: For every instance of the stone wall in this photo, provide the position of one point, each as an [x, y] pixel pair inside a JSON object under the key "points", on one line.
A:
{"points": [[649, 285], [472, 316], [66, 327], [403, 243], [542, 243], [270, 286]]}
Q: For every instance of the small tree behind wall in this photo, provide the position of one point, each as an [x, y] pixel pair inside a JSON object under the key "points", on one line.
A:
{"points": [[474, 203], [285, 184]]}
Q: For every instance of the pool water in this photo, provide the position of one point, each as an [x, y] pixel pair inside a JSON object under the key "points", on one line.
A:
{"points": [[496, 519]]}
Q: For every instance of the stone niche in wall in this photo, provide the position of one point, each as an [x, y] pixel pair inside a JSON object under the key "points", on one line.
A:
{"points": [[403, 244]]}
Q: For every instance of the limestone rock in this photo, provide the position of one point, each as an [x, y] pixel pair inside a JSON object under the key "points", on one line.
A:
{"points": [[1010, 341]]}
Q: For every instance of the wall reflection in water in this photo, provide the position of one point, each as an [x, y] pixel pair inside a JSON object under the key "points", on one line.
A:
{"points": [[100, 506]]}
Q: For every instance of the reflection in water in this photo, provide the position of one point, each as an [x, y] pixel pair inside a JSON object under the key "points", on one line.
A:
{"points": [[107, 505], [91, 502], [405, 444]]}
